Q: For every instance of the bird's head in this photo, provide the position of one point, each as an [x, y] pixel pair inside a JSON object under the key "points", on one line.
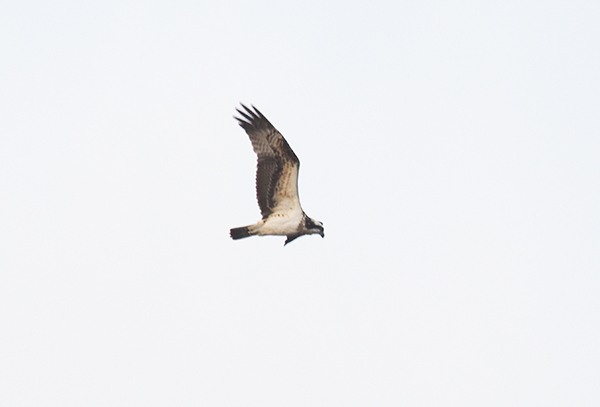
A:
{"points": [[314, 227]]}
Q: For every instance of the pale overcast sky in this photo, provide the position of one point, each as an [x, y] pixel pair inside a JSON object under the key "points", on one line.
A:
{"points": [[451, 148]]}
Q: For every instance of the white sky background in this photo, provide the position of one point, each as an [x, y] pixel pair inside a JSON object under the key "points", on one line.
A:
{"points": [[452, 150]]}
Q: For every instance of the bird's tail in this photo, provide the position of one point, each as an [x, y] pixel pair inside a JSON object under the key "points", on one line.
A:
{"points": [[239, 233]]}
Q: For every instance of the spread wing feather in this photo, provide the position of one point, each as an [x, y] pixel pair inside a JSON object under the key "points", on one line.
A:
{"points": [[274, 158]]}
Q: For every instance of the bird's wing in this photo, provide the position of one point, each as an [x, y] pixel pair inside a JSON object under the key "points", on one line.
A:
{"points": [[277, 169]]}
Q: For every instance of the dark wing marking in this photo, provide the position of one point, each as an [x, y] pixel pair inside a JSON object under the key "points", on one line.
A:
{"points": [[273, 153]]}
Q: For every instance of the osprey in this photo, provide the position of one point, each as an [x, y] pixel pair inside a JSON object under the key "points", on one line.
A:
{"points": [[276, 183]]}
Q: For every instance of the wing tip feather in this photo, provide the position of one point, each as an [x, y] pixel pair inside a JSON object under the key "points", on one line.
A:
{"points": [[252, 119]]}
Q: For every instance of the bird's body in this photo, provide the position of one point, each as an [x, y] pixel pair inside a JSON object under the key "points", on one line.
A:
{"points": [[276, 183]]}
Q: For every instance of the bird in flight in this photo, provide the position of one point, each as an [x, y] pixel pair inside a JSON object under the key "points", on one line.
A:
{"points": [[276, 183]]}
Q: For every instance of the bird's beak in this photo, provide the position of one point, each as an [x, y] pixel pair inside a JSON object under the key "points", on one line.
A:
{"points": [[322, 234]]}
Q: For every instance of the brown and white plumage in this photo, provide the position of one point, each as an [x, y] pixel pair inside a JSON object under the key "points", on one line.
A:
{"points": [[276, 183]]}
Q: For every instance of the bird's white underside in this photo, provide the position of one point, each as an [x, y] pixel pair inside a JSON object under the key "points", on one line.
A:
{"points": [[279, 223]]}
